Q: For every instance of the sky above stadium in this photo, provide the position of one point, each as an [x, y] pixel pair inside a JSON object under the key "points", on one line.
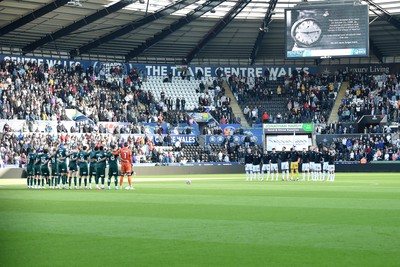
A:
{"points": [[255, 10]]}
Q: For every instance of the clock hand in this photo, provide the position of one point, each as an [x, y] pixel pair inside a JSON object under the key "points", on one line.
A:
{"points": [[310, 32]]}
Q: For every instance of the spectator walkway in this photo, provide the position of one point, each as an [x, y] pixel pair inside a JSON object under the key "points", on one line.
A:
{"points": [[235, 106], [341, 94]]}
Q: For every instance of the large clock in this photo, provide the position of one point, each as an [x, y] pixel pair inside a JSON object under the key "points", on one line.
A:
{"points": [[306, 32]]}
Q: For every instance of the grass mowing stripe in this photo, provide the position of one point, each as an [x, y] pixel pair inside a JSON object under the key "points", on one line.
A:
{"points": [[309, 202], [66, 195], [220, 231], [115, 251], [373, 217]]}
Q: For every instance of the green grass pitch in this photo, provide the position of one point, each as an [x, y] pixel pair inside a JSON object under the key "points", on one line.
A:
{"points": [[354, 221]]}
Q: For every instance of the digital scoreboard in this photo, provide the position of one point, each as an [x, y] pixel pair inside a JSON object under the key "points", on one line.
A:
{"points": [[327, 31]]}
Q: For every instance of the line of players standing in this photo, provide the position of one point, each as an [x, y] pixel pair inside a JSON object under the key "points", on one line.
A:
{"points": [[91, 164], [315, 165]]}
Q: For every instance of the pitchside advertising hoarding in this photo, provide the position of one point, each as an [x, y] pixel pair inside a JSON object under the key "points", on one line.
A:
{"points": [[208, 71], [329, 30], [236, 139], [296, 135], [298, 142], [164, 70], [231, 132], [182, 138], [362, 68], [288, 128]]}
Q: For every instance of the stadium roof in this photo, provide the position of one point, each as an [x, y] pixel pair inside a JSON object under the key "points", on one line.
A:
{"points": [[150, 30]]}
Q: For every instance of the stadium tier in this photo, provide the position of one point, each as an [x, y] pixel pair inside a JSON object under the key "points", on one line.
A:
{"points": [[295, 99], [370, 95]]}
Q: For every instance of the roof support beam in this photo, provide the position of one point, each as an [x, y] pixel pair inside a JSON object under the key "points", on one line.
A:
{"points": [[377, 52], [216, 29], [384, 14], [32, 16], [263, 30], [77, 25], [191, 16], [132, 26]]}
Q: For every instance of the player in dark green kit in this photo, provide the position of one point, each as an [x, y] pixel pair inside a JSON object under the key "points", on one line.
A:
{"points": [[83, 158], [54, 183], [112, 158], [61, 156], [36, 168], [93, 166], [73, 167], [44, 166], [101, 158], [30, 168]]}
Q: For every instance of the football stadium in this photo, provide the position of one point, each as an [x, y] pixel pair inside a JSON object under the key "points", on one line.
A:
{"points": [[199, 133]]}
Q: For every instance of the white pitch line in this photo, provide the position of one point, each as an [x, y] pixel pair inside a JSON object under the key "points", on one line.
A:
{"points": [[5, 182]]}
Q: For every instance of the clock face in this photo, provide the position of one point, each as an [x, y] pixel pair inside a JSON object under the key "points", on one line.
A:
{"points": [[306, 32]]}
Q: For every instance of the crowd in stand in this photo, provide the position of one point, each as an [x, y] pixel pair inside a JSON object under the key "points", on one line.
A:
{"points": [[32, 92], [348, 128], [372, 147], [308, 98], [371, 95]]}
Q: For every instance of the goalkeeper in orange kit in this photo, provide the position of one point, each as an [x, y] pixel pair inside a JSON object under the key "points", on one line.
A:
{"points": [[125, 158]]}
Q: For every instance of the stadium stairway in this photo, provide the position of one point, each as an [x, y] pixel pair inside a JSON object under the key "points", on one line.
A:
{"points": [[341, 94], [235, 106]]}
